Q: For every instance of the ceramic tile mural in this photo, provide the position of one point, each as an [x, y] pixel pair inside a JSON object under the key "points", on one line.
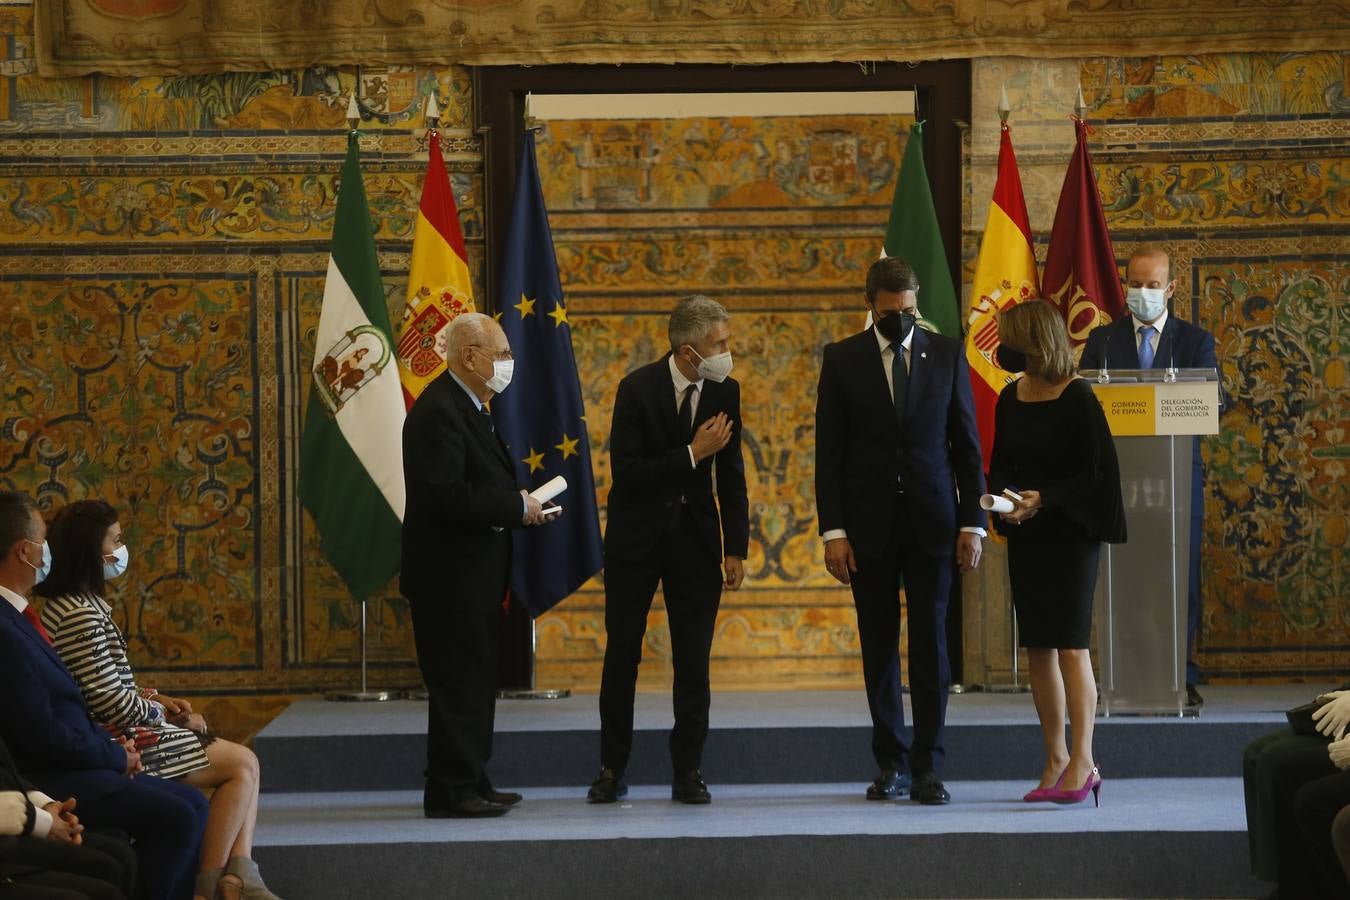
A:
{"points": [[1237, 166], [162, 249], [778, 218]]}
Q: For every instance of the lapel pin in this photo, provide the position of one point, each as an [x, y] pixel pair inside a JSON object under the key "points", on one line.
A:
{"points": [[923, 355]]}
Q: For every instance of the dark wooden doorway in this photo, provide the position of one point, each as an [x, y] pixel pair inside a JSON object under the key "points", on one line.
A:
{"points": [[943, 101]]}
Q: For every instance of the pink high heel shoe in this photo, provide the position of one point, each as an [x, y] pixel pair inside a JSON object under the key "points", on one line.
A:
{"points": [[1039, 795], [1093, 786]]}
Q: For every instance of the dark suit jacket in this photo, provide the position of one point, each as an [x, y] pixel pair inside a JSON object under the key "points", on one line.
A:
{"points": [[10, 780], [1181, 345], [861, 450], [649, 464], [45, 722], [461, 487]]}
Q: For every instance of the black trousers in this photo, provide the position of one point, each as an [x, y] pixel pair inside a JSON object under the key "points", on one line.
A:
{"points": [[1293, 791], [691, 579], [458, 644], [166, 820], [101, 868], [876, 587], [1315, 807]]}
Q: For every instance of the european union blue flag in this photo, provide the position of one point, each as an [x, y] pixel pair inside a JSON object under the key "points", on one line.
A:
{"points": [[540, 416]]}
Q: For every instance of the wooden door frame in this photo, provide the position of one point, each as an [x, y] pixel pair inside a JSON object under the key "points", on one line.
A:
{"points": [[943, 101], [499, 107]]}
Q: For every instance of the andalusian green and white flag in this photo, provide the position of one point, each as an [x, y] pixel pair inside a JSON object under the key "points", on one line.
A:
{"points": [[912, 234], [351, 453]]}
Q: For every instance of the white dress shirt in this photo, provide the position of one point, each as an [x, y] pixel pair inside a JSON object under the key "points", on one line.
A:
{"points": [[681, 385], [42, 823], [887, 356]]}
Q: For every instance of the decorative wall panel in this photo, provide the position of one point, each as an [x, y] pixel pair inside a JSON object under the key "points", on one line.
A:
{"points": [[1236, 165], [163, 241], [201, 36]]}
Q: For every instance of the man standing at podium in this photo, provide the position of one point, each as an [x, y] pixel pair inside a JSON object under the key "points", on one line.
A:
{"points": [[898, 484], [677, 423], [1150, 338]]}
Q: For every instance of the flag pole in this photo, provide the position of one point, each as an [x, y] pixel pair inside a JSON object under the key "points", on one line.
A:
{"points": [[533, 692], [1016, 686], [364, 695]]}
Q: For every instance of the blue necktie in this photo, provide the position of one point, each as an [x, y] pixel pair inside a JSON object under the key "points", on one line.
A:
{"points": [[899, 381], [1146, 332]]}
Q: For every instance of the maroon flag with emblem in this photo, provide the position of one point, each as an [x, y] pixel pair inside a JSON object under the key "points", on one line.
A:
{"points": [[1081, 277]]}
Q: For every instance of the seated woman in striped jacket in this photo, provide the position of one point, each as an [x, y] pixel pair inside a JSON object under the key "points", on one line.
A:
{"points": [[87, 550]]}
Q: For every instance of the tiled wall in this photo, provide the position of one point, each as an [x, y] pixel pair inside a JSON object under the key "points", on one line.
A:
{"points": [[162, 248], [1239, 166]]}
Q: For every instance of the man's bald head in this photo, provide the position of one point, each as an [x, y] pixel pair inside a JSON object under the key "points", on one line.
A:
{"points": [[467, 330], [1149, 267]]}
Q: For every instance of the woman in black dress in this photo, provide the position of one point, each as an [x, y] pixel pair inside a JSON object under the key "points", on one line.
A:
{"points": [[1052, 446]]}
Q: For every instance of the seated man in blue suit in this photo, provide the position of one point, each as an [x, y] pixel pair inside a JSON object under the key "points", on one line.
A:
{"points": [[55, 743], [1151, 338]]}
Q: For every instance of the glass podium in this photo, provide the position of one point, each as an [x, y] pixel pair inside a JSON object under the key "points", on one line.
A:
{"points": [[1155, 416]]}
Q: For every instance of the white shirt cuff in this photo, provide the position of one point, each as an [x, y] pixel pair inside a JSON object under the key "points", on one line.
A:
{"points": [[693, 463], [834, 534], [39, 799], [42, 822], [975, 529]]}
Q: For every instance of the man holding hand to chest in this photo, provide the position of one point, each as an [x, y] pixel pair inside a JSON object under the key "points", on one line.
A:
{"points": [[898, 484], [677, 423]]}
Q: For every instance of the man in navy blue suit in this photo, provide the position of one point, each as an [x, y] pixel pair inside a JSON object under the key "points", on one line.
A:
{"points": [[1150, 338], [898, 485], [55, 743]]}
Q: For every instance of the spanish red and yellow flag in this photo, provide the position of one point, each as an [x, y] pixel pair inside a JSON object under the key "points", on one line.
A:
{"points": [[1005, 273], [438, 279]]}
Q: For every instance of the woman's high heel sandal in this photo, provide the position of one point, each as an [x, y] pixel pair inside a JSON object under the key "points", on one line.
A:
{"points": [[1040, 794], [246, 870], [229, 887], [1092, 786]]}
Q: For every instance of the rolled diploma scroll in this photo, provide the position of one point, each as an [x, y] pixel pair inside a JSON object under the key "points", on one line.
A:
{"points": [[549, 489], [993, 503]]}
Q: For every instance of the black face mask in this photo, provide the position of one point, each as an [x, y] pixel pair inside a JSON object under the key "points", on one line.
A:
{"points": [[1010, 360], [894, 326]]}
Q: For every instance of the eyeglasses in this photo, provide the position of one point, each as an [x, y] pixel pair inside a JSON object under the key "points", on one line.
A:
{"points": [[493, 354]]}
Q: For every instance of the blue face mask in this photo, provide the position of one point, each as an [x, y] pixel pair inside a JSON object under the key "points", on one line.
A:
{"points": [[46, 568], [113, 568]]}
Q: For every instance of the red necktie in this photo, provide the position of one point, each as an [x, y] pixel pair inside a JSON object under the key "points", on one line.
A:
{"points": [[31, 615]]}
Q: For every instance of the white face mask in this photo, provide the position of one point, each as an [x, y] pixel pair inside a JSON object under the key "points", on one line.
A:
{"points": [[714, 368], [502, 370], [1146, 303], [46, 568], [118, 565]]}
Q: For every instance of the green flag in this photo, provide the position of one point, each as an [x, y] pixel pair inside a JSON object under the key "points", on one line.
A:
{"points": [[351, 452], [912, 234]]}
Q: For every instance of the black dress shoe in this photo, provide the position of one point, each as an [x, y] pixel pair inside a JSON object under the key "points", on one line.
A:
{"points": [[607, 787], [689, 788], [929, 791], [1193, 698], [467, 808], [505, 798], [889, 785]]}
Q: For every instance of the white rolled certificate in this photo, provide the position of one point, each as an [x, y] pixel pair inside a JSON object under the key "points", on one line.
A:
{"points": [[549, 489], [993, 503]]}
